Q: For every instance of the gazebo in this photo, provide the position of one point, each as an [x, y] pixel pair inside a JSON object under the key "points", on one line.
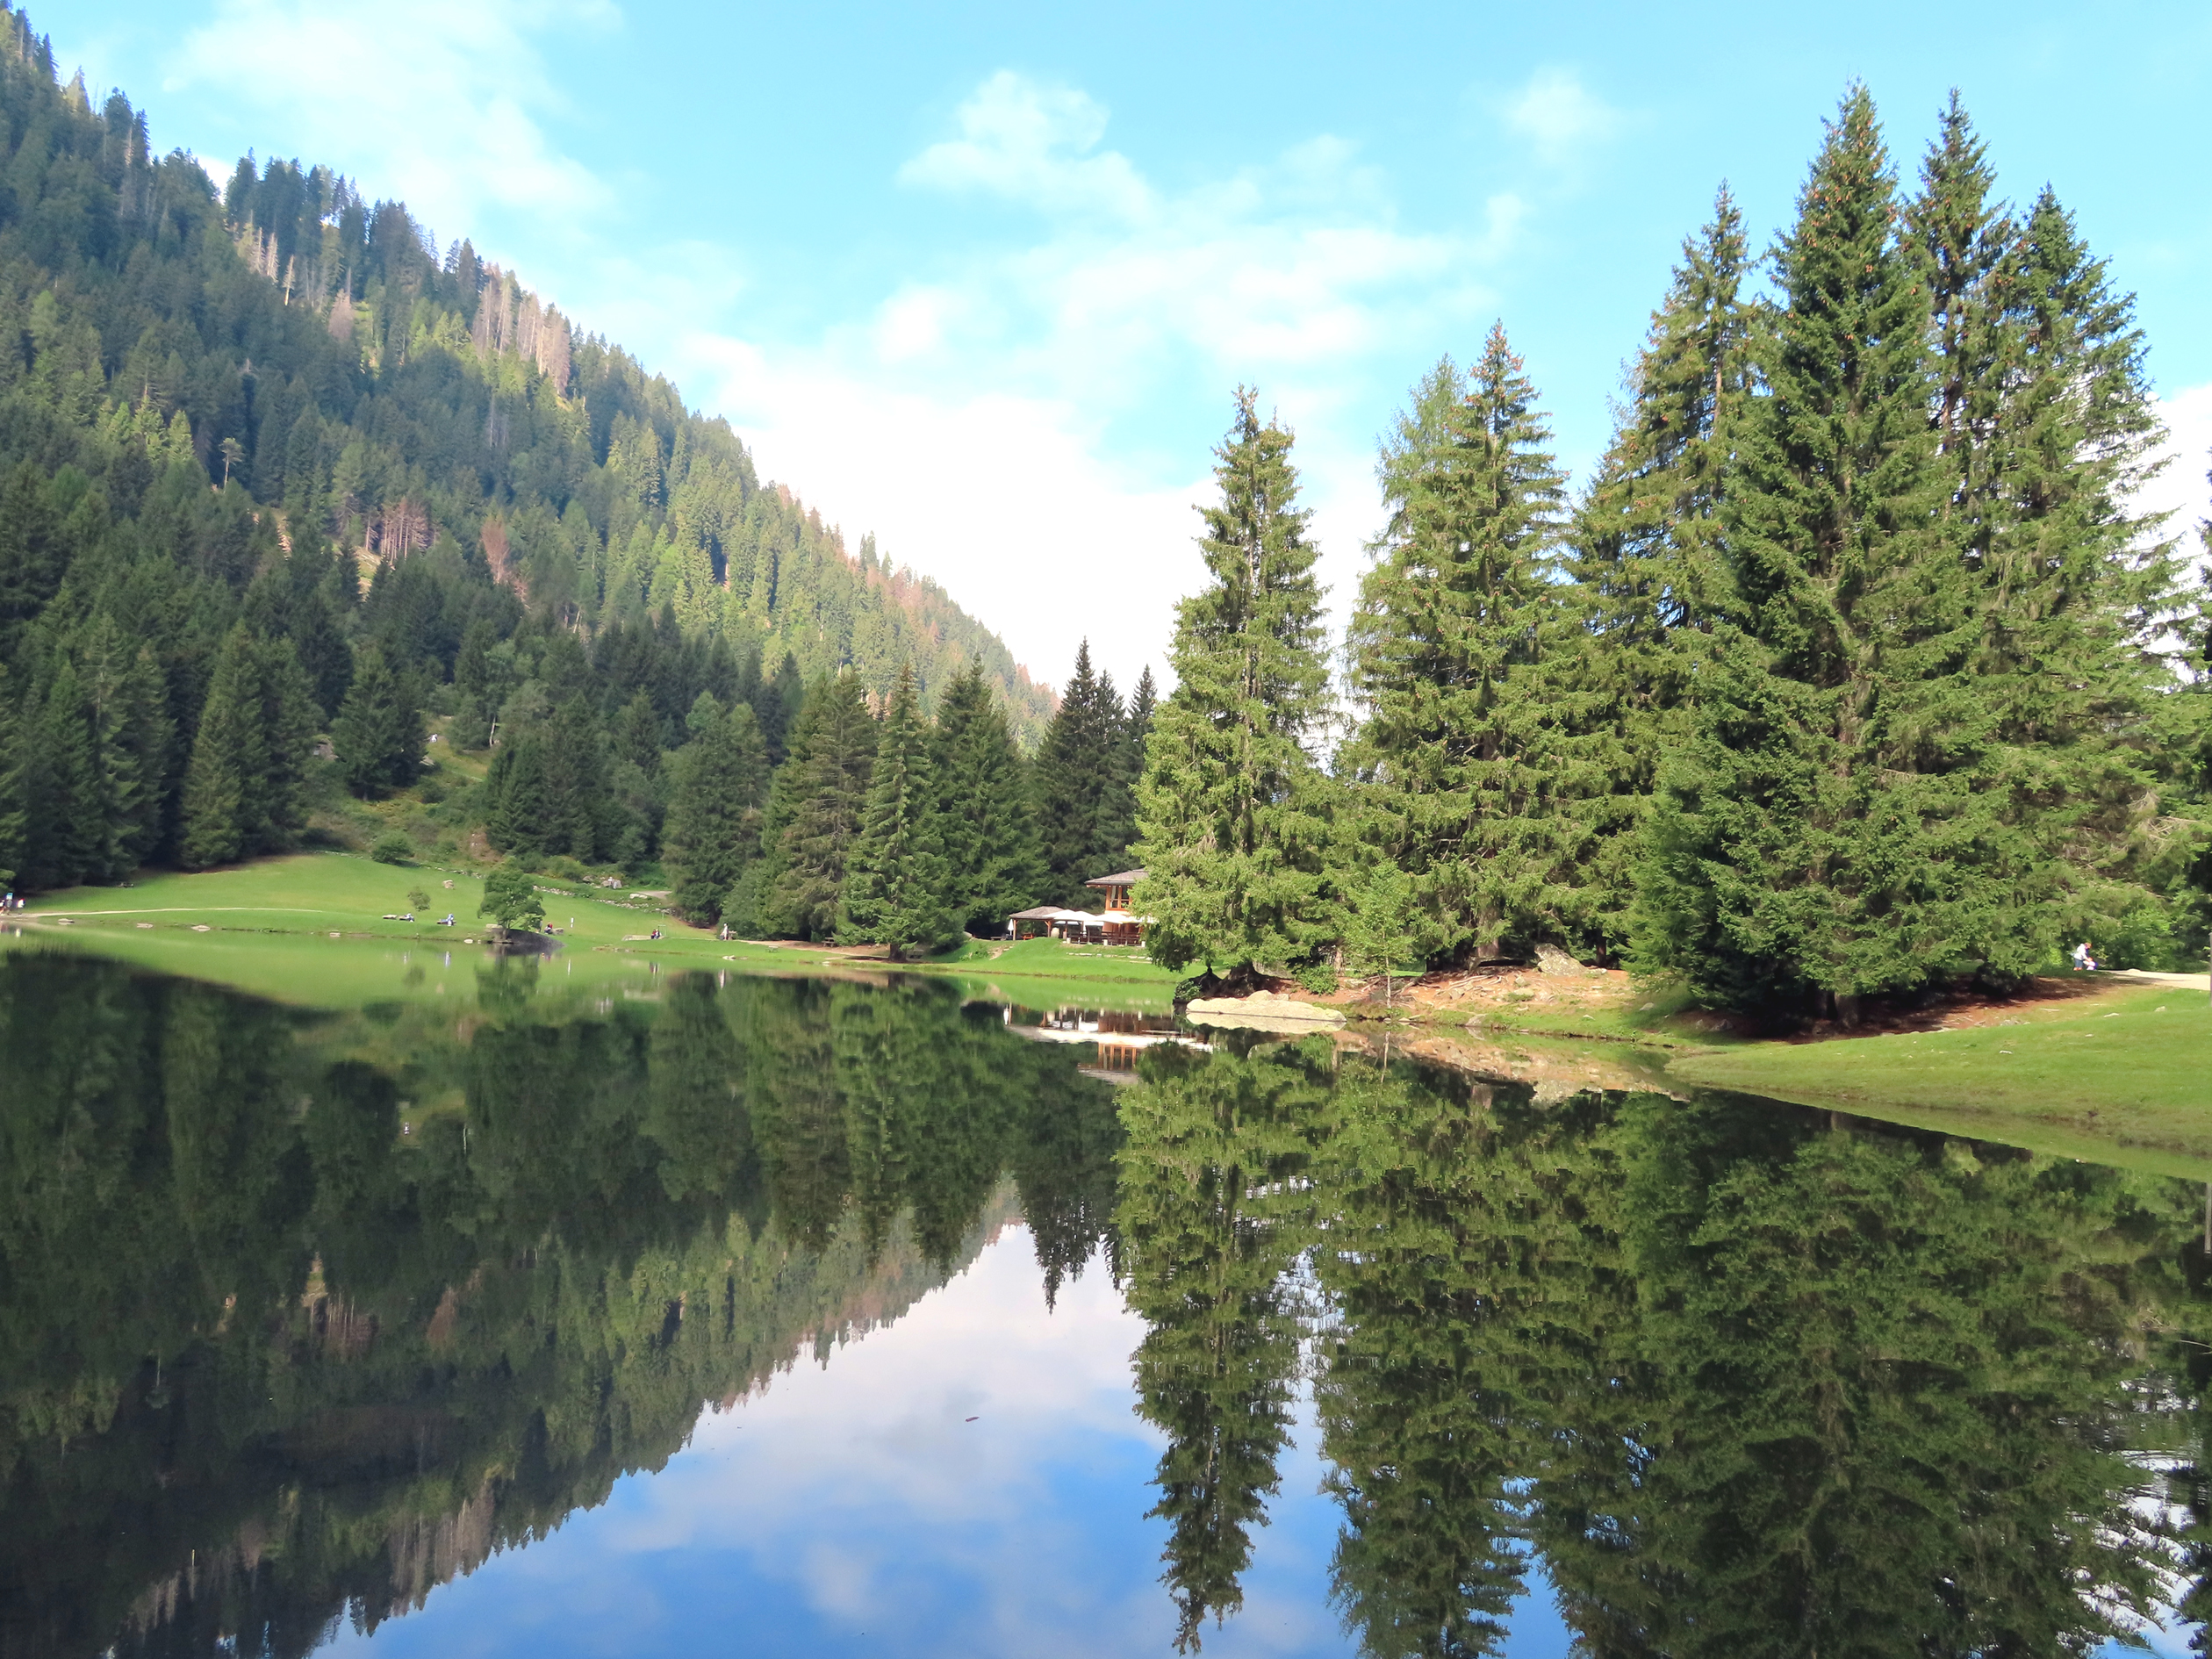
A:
{"points": [[1048, 920]]}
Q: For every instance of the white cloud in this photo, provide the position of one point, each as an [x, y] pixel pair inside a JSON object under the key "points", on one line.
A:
{"points": [[1028, 142], [2182, 490], [1558, 116], [1002, 498], [442, 103], [968, 419]]}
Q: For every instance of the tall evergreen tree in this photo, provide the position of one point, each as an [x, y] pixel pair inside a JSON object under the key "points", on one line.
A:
{"points": [[813, 813], [575, 804], [379, 736], [990, 832], [244, 791], [712, 830], [1963, 238], [514, 793], [1467, 752], [1234, 818], [14, 849], [2077, 588], [1643, 555], [1824, 833], [475, 691], [67, 823], [899, 890], [1081, 783], [126, 703]]}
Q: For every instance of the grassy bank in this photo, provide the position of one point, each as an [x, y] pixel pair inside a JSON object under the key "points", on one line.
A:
{"points": [[2129, 1066], [321, 929]]}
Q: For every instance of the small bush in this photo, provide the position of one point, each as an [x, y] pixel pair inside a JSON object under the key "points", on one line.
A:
{"points": [[392, 849], [1318, 978], [566, 868], [430, 791], [418, 899]]}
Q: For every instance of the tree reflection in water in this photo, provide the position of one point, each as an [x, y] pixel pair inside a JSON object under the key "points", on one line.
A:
{"points": [[1730, 1377], [1749, 1380], [264, 1358]]}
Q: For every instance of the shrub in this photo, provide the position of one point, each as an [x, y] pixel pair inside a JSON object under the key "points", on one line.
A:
{"points": [[394, 848]]}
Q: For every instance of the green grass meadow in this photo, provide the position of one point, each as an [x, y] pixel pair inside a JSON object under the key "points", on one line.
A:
{"points": [[2131, 1068], [312, 929]]}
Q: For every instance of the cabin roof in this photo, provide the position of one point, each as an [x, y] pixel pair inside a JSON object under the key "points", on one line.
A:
{"points": [[1051, 913], [1123, 878]]}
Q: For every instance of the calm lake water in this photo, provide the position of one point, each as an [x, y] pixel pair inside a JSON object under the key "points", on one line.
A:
{"points": [[768, 1317]]}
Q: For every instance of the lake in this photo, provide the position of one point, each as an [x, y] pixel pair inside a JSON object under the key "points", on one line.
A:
{"points": [[525, 1312]]}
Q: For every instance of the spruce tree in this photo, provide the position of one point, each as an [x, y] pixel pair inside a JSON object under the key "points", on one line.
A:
{"points": [[13, 820], [1467, 754], [229, 758], [989, 833], [897, 890], [1081, 783], [2047, 424], [1821, 835], [2077, 588], [813, 813], [1962, 240], [127, 702], [474, 690], [1234, 818], [68, 825], [514, 795], [713, 830], [576, 805], [378, 735], [1644, 559]]}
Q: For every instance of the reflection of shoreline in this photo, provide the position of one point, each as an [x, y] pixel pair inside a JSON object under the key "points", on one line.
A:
{"points": [[433, 1534], [312, 1311]]}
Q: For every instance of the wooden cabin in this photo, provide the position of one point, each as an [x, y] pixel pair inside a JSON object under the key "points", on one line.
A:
{"points": [[1118, 926]]}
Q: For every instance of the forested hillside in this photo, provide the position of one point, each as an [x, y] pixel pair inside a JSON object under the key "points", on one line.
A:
{"points": [[272, 466]]}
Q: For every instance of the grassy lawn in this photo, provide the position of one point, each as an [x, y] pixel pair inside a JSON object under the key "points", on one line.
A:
{"points": [[276, 928], [2130, 1068]]}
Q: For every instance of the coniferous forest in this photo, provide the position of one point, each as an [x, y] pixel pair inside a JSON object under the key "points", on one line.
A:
{"points": [[283, 487], [1850, 674], [1850, 671]]}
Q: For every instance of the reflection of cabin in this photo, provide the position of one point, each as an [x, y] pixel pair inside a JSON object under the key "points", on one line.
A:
{"points": [[1116, 926], [1120, 1036]]}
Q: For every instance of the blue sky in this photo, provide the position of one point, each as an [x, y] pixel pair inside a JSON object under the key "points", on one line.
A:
{"points": [[981, 278]]}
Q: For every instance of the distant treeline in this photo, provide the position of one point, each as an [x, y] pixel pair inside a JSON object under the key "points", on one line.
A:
{"points": [[218, 409], [1853, 672]]}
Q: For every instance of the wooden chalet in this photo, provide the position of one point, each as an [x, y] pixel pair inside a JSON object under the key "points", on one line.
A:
{"points": [[1116, 926]]}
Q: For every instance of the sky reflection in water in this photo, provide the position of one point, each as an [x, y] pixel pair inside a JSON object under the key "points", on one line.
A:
{"points": [[265, 1356], [852, 1508]]}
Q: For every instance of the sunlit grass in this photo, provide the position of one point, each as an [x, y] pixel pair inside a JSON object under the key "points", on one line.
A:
{"points": [[273, 927], [2132, 1065]]}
